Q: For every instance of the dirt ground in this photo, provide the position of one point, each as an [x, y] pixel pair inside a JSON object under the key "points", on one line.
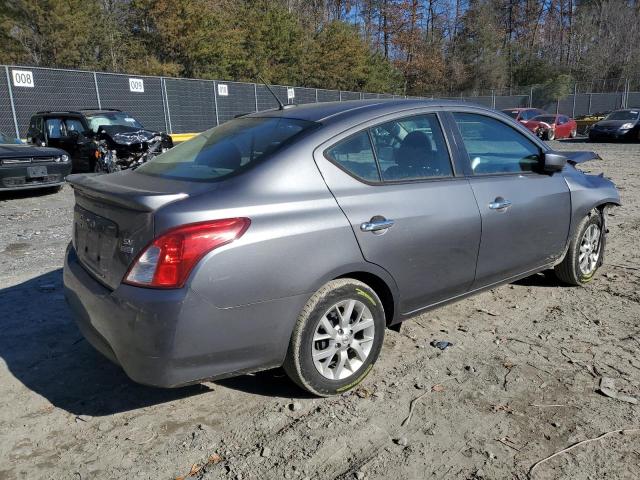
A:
{"points": [[518, 385]]}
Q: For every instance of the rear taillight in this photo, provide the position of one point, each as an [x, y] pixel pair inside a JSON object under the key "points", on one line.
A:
{"points": [[168, 260]]}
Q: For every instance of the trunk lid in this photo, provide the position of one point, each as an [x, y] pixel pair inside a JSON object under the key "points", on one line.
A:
{"points": [[114, 218]]}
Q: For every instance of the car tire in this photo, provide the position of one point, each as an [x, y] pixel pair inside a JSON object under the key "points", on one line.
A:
{"points": [[573, 133], [574, 269], [550, 135], [330, 353]]}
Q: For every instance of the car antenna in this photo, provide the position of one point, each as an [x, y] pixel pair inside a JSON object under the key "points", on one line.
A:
{"points": [[281, 106]]}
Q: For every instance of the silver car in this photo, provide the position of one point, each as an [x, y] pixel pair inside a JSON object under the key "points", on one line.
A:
{"points": [[295, 237]]}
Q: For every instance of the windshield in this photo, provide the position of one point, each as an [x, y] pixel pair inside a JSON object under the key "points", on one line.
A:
{"points": [[511, 113], [9, 139], [624, 115], [225, 150], [544, 118], [112, 118]]}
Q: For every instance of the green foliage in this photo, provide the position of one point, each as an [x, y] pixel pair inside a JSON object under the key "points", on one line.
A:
{"points": [[414, 47], [554, 89]]}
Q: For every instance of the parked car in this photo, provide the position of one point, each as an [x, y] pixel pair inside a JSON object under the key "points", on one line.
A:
{"points": [[104, 140], [523, 114], [25, 166], [294, 237], [618, 125], [550, 127]]}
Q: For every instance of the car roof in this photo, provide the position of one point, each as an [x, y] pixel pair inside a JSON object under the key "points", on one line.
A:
{"points": [[83, 111], [327, 111]]}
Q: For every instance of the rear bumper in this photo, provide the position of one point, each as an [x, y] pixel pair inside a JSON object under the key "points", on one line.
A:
{"points": [[15, 177], [169, 338]]}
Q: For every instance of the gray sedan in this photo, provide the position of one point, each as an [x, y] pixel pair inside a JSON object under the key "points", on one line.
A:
{"points": [[295, 237]]}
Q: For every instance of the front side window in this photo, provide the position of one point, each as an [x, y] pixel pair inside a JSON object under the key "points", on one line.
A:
{"points": [[411, 148], [225, 150], [73, 125], [494, 147], [355, 155], [54, 128]]}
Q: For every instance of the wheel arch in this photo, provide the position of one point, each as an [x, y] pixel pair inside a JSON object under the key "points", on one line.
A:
{"points": [[381, 288]]}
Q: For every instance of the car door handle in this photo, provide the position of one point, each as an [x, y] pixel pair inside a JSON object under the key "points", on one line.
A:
{"points": [[376, 224], [499, 204]]}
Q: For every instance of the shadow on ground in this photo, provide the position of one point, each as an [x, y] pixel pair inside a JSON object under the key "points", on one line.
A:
{"points": [[542, 279], [28, 192], [43, 349]]}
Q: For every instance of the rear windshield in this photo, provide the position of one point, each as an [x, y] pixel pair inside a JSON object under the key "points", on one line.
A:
{"points": [[623, 115], [225, 150]]}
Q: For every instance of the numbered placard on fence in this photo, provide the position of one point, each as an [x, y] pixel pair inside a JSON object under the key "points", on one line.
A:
{"points": [[136, 85], [291, 93], [23, 78], [223, 90]]}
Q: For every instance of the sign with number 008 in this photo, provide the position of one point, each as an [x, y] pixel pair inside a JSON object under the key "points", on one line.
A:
{"points": [[136, 85], [23, 78]]}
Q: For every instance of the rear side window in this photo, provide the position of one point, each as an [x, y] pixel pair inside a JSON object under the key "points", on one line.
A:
{"points": [[355, 155], [227, 149], [495, 147], [411, 149]]}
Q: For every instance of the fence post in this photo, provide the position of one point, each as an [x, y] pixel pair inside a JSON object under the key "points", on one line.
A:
{"points": [[13, 106], [95, 83], [531, 97], [165, 106], [493, 99], [625, 96], [316, 95], [255, 94], [575, 93], [340, 95], [215, 101], [589, 107]]}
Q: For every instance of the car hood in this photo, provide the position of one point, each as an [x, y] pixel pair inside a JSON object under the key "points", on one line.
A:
{"points": [[535, 123], [612, 123], [24, 150], [126, 136]]}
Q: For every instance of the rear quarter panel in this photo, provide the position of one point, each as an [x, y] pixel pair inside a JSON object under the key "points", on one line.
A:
{"points": [[298, 238]]}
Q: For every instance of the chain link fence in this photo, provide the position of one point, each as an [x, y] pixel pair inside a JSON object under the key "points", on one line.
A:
{"points": [[181, 105], [175, 105]]}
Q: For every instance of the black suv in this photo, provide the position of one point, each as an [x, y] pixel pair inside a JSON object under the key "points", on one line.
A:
{"points": [[93, 137]]}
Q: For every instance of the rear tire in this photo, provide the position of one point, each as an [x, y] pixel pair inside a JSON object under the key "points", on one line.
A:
{"points": [[573, 133], [584, 256], [550, 135], [337, 338]]}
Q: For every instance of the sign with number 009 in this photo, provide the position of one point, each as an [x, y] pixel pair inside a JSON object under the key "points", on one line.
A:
{"points": [[23, 78], [136, 85], [223, 90]]}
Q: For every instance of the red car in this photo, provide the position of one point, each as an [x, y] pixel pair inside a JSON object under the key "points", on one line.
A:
{"points": [[523, 114], [550, 127]]}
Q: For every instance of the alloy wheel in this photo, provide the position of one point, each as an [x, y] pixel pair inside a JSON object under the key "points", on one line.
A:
{"points": [[589, 250], [343, 339]]}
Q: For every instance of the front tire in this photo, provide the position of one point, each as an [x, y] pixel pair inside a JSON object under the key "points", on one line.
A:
{"points": [[584, 256], [337, 338], [550, 135]]}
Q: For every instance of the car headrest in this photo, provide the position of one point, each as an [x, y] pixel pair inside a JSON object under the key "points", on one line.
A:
{"points": [[415, 148], [221, 155]]}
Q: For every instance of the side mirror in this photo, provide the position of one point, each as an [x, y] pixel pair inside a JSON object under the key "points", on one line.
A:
{"points": [[553, 162]]}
